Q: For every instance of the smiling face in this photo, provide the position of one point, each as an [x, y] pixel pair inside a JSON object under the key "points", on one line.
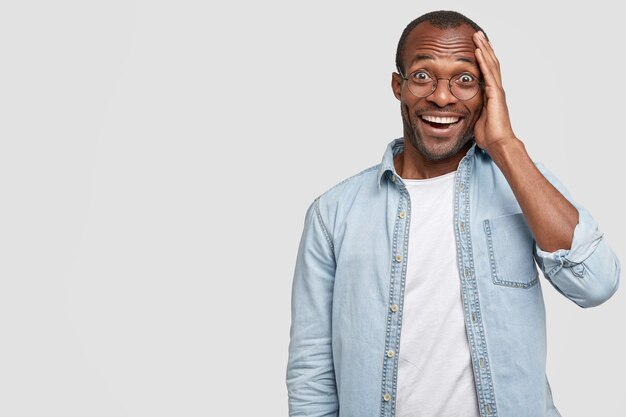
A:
{"points": [[440, 125]]}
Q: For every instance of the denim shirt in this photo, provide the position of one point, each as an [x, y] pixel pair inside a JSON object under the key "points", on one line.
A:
{"points": [[348, 292]]}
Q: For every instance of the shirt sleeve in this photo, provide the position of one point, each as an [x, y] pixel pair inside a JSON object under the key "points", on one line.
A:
{"points": [[588, 272], [310, 372]]}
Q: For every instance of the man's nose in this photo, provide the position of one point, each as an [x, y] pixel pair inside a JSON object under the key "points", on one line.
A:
{"points": [[442, 96]]}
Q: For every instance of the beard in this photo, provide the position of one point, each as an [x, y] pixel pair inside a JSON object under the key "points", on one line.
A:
{"points": [[440, 153]]}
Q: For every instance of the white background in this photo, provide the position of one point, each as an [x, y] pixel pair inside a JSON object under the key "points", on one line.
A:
{"points": [[158, 157]]}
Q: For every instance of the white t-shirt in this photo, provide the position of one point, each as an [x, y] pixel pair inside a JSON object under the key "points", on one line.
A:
{"points": [[435, 377]]}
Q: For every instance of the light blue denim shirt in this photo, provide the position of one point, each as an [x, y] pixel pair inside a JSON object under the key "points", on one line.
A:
{"points": [[348, 292]]}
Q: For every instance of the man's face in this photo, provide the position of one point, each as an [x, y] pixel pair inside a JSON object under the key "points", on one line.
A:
{"points": [[442, 54]]}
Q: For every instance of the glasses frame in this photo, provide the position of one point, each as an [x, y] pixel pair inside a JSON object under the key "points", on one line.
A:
{"points": [[481, 85]]}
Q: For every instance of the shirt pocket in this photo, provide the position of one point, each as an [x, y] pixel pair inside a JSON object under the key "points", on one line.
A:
{"points": [[510, 244]]}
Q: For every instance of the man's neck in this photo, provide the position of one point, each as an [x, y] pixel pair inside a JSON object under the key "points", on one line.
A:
{"points": [[411, 164]]}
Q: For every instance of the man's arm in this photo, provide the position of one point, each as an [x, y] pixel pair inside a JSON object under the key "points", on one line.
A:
{"points": [[588, 272], [550, 216], [310, 372], [570, 249]]}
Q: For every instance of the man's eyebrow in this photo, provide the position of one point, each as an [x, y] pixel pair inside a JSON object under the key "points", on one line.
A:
{"points": [[464, 59], [422, 57]]}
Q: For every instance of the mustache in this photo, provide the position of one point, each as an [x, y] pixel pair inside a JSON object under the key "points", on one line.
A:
{"points": [[443, 110]]}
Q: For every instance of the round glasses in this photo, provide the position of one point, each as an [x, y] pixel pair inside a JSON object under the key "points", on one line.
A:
{"points": [[463, 86]]}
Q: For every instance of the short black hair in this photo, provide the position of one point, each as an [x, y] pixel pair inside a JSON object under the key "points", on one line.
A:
{"points": [[441, 19]]}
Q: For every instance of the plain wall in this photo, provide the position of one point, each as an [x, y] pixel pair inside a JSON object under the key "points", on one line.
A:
{"points": [[158, 157]]}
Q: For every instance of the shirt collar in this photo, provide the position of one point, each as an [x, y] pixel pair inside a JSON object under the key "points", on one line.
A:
{"points": [[395, 147]]}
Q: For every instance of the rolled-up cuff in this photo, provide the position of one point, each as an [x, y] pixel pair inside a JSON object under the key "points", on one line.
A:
{"points": [[586, 239]]}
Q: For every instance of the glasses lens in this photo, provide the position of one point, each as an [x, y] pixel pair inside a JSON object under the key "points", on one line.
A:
{"points": [[421, 88], [464, 86]]}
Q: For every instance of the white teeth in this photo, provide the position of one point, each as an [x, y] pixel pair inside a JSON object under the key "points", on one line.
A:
{"points": [[441, 120]]}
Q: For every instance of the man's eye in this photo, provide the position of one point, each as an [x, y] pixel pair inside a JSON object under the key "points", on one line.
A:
{"points": [[421, 76], [466, 79]]}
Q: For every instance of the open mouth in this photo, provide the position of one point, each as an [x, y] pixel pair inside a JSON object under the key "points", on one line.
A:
{"points": [[440, 122]]}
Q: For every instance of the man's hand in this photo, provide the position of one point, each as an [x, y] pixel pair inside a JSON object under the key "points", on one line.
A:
{"points": [[494, 124]]}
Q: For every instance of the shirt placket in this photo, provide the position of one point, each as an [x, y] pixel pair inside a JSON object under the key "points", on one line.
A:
{"points": [[469, 292], [396, 299]]}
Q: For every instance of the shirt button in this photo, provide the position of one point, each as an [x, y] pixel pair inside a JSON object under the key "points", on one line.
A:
{"points": [[481, 362], [394, 307], [390, 353], [393, 178], [402, 214], [473, 317], [462, 187], [467, 273], [462, 226], [488, 407], [386, 397], [398, 258]]}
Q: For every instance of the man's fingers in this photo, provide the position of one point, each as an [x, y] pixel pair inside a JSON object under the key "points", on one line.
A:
{"points": [[487, 69], [487, 47], [489, 59]]}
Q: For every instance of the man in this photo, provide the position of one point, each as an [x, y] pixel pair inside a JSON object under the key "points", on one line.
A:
{"points": [[415, 291]]}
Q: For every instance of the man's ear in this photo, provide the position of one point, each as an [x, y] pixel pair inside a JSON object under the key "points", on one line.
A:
{"points": [[396, 84]]}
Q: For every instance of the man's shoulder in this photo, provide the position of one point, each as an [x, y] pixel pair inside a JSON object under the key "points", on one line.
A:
{"points": [[355, 181], [348, 189]]}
